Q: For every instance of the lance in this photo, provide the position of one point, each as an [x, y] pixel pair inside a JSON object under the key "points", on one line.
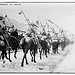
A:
{"points": [[41, 25], [56, 26], [8, 35], [60, 30], [8, 19], [28, 21]]}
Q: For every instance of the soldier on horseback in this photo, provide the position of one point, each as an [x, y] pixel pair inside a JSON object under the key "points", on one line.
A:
{"points": [[13, 32], [3, 41], [6, 41]]}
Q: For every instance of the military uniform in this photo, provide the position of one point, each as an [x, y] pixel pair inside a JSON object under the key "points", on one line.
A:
{"points": [[13, 31]]}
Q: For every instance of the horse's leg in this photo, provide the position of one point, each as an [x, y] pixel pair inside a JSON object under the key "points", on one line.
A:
{"points": [[9, 55], [54, 49], [26, 51], [6, 56], [22, 63], [26, 59], [43, 51], [40, 53], [31, 55], [63, 47], [48, 50], [23, 57], [23, 48], [0, 56], [46, 53], [57, 50], [3, 61], [34, 55], [15, 53]]}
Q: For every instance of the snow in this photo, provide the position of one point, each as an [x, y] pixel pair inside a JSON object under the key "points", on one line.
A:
{"points": [[45, 65], [68, 65]]}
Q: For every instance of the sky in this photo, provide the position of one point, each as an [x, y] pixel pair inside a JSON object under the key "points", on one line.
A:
{"points": [[62, 14]]}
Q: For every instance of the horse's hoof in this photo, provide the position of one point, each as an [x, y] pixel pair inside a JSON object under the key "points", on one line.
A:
{"points": [[10, 60], [40, 58], [34, 61], [57, 52], [22, 66], [15, 57], [3, 61], [31, 60], [27, 64], [46, 56]]}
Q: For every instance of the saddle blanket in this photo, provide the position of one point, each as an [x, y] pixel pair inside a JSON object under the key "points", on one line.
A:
{"points": [[25, 39]]}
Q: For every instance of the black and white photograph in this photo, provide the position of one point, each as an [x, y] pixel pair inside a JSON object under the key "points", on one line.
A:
{"points": [[37, 37]]}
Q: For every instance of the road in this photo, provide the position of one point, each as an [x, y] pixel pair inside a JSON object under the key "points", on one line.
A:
{"points": [[68, 65], [47, 65]]}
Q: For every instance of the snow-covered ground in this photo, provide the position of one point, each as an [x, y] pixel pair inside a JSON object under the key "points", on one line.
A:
{"points": [[68, 65], [45, 65]]}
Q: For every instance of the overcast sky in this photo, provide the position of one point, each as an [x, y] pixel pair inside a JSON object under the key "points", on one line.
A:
{"points": [[62, 14]]}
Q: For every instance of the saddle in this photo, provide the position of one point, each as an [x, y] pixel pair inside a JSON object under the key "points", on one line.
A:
{"points": [[25, 39]]}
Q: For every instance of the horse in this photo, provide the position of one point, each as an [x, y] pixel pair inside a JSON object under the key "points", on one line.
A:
{"points": [[3, 51], [3, 47], [63, 44], [55, 45], [27, 44], [12, 43], [44, 47], [49, 44]]}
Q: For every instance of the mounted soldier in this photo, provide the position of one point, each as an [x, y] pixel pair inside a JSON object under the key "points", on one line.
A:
{"points": [[7, 42], [13, 32], [3, 41]]}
